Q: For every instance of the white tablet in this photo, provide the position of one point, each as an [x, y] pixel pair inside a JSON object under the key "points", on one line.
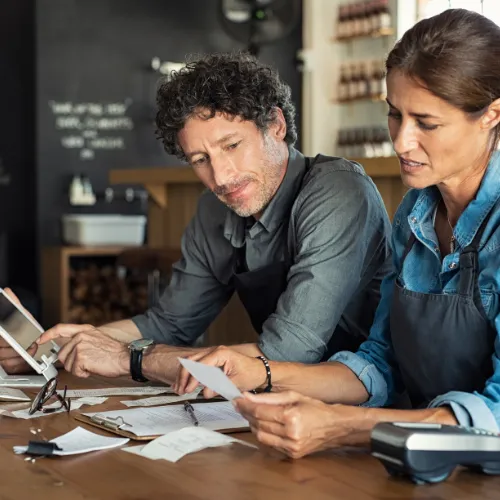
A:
{"points": [[20, 331]]}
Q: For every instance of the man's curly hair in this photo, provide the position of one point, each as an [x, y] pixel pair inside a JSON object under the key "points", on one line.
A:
{"points": [[236, 84]]}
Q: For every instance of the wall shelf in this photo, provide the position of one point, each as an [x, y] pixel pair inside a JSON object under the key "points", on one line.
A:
{"points": [[376, 34], [358, 99]]}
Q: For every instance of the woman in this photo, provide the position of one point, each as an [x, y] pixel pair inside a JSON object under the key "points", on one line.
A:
{"points": [[435, 335]]}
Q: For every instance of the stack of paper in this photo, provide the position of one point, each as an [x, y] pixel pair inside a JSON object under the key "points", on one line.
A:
{"points": [[9, 394], [24, 414], [175, 445], [78, 441], [75, 405]]}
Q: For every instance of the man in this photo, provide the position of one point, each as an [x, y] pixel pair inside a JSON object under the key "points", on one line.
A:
{"points": [[303, 241]]}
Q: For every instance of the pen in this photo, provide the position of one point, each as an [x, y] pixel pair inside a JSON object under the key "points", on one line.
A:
{"points": [[189, 408]]}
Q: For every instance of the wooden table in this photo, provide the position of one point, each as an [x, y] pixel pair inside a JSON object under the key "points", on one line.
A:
{"points": [[230, 473]]}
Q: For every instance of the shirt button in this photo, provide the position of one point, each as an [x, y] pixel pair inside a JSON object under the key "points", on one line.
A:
{"points": [[453, 265], [414, 220]]}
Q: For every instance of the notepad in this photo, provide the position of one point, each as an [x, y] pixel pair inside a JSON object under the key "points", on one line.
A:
{"points": [[155, 421]]}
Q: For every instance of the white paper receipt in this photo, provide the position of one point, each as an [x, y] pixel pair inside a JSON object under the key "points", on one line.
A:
{"points": [[80, 440], [175, 445], [212, 377], [161, 400], [118, 391]]}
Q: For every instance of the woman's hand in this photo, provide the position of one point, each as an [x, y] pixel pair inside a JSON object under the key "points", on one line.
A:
{"points": [[246, 373], [298, 425]]}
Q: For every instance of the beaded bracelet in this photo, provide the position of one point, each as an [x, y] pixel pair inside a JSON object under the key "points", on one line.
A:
{"points": [[268, 373]]}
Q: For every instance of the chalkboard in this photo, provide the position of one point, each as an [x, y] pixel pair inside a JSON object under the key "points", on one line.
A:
{"points": [[96, 88], [89, 127], [17, 144]]}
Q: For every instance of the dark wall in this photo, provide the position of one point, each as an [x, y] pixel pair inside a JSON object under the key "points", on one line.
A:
{"points": [[99, 51], [17, 143]]}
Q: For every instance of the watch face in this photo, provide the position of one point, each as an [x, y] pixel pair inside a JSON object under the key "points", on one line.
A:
{"points": [[140, 344]]}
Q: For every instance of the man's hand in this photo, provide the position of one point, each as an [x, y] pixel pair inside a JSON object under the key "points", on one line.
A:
{"points": [[10, 361], [245, 372], [297, 425], [88, 351]]}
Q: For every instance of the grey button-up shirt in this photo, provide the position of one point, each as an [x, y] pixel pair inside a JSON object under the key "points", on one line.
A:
{"points": [[336, 227]]}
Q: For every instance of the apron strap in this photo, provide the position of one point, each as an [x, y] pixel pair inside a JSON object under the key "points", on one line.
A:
{"points": [[469, 268], [409, 246], [240, 258]]}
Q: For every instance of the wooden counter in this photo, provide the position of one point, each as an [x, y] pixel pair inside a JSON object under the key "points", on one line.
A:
{"points": [[233, 472]]}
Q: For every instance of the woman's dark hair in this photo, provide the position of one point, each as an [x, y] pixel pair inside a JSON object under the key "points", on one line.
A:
{"points": [[235, 84], [456, 56]]}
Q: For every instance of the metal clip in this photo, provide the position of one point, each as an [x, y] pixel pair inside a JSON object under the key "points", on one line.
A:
{"points": [[113, 423]]}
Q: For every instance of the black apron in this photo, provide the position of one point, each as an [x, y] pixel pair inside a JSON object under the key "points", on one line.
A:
{"points": [[259, 290], [443, 342]]}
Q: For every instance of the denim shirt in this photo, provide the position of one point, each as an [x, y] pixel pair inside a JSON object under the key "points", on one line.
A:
{"points": [[424, 271]]}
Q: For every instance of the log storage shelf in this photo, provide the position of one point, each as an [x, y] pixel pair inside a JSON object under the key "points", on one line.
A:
{"points": [[84, 285]]}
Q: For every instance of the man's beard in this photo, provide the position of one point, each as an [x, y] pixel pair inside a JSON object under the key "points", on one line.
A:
{"points": [[265, 189]]}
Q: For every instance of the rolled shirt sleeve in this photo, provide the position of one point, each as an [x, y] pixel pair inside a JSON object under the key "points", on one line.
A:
{"points": [[341, 237]]}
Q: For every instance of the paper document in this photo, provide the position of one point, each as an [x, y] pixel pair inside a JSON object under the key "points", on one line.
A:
{"points": [[75, 405], [174, 445], [8, 394], [159, 420], [25, 415], [118, 391], [78, 441], [161, 400], [90, 400], [212, 377]]}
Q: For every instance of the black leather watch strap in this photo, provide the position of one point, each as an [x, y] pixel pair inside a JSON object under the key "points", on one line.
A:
{"points": [[136, 365]]}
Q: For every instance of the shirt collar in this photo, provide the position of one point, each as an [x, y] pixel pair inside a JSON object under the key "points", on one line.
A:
{"points": [[480, 207], [473, 215], [277, 209]]}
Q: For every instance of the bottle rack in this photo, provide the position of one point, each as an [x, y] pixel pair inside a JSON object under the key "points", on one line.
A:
{"points": [[361, 81], [361, 87], [364, 142], [366, 19]]}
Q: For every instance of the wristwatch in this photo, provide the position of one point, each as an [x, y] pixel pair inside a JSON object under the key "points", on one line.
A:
{"points": [[137, 349]]}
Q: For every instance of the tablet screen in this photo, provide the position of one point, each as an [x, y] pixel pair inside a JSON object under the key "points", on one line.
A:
{"points": [[20, 328]]}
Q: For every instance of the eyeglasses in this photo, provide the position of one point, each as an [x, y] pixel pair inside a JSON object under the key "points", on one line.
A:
{"points": [[47, 392]]}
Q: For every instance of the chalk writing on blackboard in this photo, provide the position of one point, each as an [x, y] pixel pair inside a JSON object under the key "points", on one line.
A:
{"points": [[92, 126]]}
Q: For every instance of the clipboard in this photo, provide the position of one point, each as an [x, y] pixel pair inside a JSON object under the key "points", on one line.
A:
{"points": [[116, 426], [110, 426]]}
